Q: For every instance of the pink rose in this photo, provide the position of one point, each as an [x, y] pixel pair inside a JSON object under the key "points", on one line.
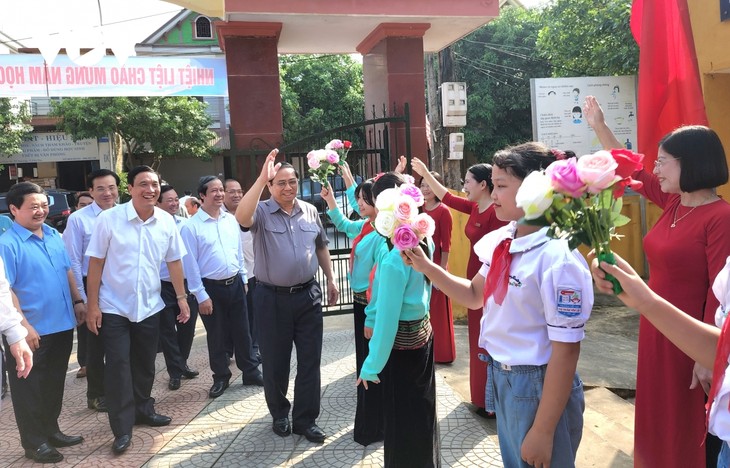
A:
{"points": [[424, 225], [404, 237], [313, 160], [332, 157], [597, 170], [564, 178], [413, 192], [405, 209], [334, 145]]}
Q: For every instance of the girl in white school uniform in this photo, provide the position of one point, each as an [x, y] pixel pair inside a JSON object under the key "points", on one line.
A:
{"points": [[536, 295], [708, 345]]}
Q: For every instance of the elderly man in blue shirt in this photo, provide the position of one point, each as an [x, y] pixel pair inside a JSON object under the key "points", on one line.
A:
{"points": [[35, 260]]}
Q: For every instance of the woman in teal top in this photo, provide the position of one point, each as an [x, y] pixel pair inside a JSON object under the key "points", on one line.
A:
{"points": [[401, 355], [366, 242]]}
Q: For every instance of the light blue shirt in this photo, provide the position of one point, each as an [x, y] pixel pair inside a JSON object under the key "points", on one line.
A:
{"points": [[76, 238], [37, 270], [365, 250], [399, 293], [214, 250]]}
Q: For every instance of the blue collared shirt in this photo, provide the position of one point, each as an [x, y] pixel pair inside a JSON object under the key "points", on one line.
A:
{"points": [[37, 270]]}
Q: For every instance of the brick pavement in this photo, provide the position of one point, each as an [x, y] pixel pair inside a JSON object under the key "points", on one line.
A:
{"points": [[235, 429]]}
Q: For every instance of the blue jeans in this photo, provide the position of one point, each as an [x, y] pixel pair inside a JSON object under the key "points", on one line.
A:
{"points": [[723, 460], [514, 393]]}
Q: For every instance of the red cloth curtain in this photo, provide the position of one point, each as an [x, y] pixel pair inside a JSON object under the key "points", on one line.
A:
{"points": [[670, 92]]}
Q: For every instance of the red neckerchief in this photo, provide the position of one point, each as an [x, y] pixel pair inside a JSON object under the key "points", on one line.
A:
{"points": [[367, 228], [369, 292], [718, 370], [498, 276]]}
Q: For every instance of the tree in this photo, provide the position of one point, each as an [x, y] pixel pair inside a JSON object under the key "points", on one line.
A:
{"points": [[14, 118], [497, 62], [319, 92], [589, 38], [150, 128]]}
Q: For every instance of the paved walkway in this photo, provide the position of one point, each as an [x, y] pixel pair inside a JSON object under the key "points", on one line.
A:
{"points": [[235, 429]]}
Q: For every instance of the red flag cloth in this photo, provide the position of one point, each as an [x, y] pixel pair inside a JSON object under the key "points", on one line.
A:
{"points": [[367, 228], [497, 280], [670, 93]]}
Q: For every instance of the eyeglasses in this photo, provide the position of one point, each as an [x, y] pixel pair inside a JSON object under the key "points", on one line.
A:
{"points": [[660, 162], [283, 183], [234, 192]]}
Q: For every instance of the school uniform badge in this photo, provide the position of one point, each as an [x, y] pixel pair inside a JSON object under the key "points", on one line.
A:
{"points": [[570, 302]]}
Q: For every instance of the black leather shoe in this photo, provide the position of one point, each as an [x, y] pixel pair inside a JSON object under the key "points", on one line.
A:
{"points": [[97, 404], [257, 380], [313, 433], [44, 454], [174, 383], [218, 388], [154, 420], [59, 439], [281, 427], [188, 373], [121, 443]]}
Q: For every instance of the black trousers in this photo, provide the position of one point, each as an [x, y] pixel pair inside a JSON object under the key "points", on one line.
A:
{"points": [[409, 391], [176, 338], [369, 410], [37, 399], [230, 316], [82, 332], [131, 349], [94, 362], [285, 319], [252, 315]]}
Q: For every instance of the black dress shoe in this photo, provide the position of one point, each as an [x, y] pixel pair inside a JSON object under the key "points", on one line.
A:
{"points": [[44, 454], [281, 427], [257, 380], [218, 388], [59, 439], [174, 383], [188, 373], [154, 420], [313, 433], [97, 404], [121, 443]]}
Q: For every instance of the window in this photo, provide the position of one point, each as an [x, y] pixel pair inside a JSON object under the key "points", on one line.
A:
{"points": [[203, 29]]}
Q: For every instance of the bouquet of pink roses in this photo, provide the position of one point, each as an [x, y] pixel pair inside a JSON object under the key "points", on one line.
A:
{"points": [[323, 162], [398, 219], [581, 199]]}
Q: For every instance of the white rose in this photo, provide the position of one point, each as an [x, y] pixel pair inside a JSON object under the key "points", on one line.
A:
{"points": [[387, 199], [535, 195], [385, 223]]}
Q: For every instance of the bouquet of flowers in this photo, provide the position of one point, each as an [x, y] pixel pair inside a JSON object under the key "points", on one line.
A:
{"points": [[398, 219], [323, 162], [581, 199]]}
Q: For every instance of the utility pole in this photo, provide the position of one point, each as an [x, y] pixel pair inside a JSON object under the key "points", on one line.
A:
{"points": [[439, 69]]}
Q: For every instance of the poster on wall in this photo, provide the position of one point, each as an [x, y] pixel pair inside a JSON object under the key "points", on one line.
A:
{"points": [[557, 111]]}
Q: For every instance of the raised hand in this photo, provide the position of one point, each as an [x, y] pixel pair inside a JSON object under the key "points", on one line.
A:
{"points": [[419, 167]]}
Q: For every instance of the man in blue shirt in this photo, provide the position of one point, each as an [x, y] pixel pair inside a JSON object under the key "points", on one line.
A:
{"points": [[35, 260]]}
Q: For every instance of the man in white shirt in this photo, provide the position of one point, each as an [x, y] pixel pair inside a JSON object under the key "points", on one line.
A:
{"points": [[104, 188], [125, 252], [233, 197], [216, 276]]}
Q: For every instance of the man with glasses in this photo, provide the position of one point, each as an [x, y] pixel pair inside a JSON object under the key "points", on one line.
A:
{"points": [[216, 276], [290, 244], [103, 186]]}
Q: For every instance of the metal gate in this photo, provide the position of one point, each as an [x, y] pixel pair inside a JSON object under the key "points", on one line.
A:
{"points": [[377, 143]]}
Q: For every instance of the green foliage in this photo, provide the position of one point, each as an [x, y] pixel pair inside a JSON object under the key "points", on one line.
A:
{"points": [[589, 38], [319, 92], [497, 62], [150, 127], [14, 126]]}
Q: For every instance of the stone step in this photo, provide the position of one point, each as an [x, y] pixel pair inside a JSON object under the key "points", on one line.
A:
{"points": [[608, 431]]}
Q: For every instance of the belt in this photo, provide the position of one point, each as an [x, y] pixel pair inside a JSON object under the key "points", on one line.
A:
{"points": [[223, 282], [288, 289]]}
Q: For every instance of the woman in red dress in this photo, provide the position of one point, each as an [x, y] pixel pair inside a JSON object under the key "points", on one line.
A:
{"points": [[442, 319], [482, 219], [685, 250]]}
